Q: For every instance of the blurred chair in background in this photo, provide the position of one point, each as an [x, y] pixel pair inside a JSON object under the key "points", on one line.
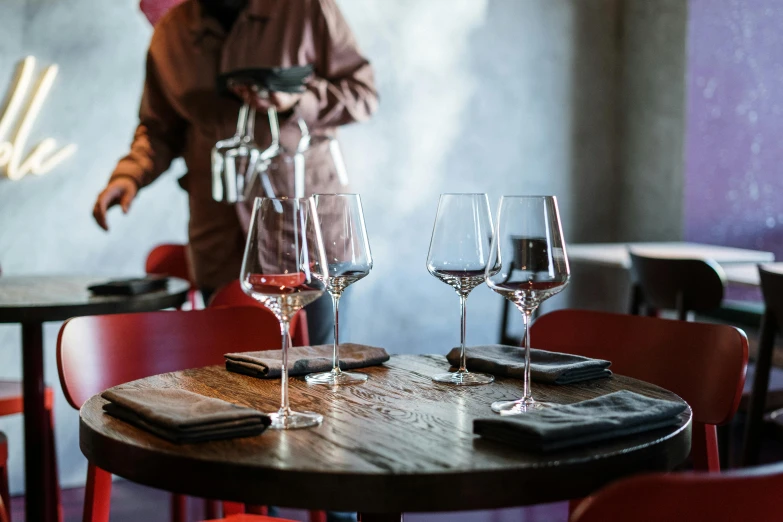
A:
{"points": [[172, 260]]}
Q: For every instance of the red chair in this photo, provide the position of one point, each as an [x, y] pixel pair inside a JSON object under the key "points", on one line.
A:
{"points": [[98, 352], [11, 403], [172, 260], [702, 363], [5, 497], [752, 495], [232, 295]]}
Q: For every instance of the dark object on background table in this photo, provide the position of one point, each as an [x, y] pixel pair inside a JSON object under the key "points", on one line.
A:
{"points": [[275, 79], [545, 366], [133, 286], [610, 416], [181, 416], [304, 359]]}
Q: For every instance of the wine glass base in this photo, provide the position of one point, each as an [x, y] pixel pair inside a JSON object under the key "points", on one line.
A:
{"points": [[518, 407], [294, 420], [463, 378], [336, 378]]}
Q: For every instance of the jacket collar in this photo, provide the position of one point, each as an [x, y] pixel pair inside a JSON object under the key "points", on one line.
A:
{"points": [[201, 25]]}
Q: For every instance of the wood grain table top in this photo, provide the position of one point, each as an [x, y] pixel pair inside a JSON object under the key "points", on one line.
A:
{"points": [[399, 442], [616, 254], [56, 298]]}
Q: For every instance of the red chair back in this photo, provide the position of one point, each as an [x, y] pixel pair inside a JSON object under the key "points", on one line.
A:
{"points": [[753, 494], [232, 295], [98, 352], [170, 260], [702, 363], [3, 512]]}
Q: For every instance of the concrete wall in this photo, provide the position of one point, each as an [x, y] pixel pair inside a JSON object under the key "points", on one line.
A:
{"points": [[502, 96]]}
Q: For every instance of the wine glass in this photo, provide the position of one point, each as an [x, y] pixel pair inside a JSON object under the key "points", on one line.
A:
{"points": [[348, 260], [284, 269], [459, 255], [235, 160], [529, 250]]}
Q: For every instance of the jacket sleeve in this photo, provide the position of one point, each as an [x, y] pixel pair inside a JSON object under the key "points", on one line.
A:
{"points": [[159, 137], [342, 89]]}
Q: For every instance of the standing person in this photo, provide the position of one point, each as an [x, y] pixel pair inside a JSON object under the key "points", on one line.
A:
{"points": [[183, 115]]}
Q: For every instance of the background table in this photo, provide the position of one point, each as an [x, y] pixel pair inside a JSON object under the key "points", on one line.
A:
{"points": [[616, 254], [397, 443], [748, 274], [31, 301]]}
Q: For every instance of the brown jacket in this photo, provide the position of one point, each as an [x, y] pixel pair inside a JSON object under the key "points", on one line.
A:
{"points": [[182, 115]]}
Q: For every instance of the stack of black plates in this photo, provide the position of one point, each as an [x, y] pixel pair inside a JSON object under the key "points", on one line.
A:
{"points": [[276, 79]]}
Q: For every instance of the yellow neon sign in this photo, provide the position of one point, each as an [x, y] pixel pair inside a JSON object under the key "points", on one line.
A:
{"points": [[43, 157]]}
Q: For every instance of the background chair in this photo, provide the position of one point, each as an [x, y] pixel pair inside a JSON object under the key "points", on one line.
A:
{"points": [[702, 363], [749, 495], [771, 323], [172, 260], [5, 497], [98, 352], [232, 295], [5, 512]]}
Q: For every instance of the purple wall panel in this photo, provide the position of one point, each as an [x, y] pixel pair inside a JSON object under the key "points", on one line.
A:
{"points": [[734, 148]]}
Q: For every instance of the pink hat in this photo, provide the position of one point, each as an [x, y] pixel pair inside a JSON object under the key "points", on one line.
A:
{"points": [[155, 9]]}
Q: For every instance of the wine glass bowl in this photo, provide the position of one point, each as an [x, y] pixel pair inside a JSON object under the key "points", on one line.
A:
{"points": [[530, 264], [458, 256], [283, 268], [348, 259]]}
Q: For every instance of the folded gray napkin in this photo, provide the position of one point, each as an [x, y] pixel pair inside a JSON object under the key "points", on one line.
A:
{"points": [[614, 415], [546, 367], [304, 359], [181, 416]]}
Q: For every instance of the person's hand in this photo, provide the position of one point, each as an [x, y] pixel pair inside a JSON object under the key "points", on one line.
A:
{"points": [[282, 101], [119, 191]]}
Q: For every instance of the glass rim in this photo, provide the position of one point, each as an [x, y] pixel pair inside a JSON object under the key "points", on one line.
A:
{"points": [[337, 194], [283, 198], [463, 194], [515, 196]]}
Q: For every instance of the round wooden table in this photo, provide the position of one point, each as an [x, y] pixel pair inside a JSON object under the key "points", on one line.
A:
{"points": [[31, 301], [399, 442]]}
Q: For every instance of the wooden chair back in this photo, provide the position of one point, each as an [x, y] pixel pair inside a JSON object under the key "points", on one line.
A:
{"points": [[703, 363], [232, 295], [752, 494], [98, 352], [684, 285], [771, 322]]}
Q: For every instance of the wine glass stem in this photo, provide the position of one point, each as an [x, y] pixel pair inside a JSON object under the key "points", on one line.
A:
{"points": [[336, 353], [284, 408], [526, 316], [463, 299]]}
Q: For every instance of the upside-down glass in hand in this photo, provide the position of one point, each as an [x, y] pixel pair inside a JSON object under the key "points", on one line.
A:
{"points": [[459, 255], [348, 259], [529, 250], [284, 269]]}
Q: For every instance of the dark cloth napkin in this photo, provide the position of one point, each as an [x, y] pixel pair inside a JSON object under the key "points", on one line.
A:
{"points": [[132, 286], [181, 416], [304, 359], [610, 416], [546, 367]]}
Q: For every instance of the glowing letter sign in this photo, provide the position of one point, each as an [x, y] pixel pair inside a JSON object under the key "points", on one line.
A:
{"points": [[43, 157]]}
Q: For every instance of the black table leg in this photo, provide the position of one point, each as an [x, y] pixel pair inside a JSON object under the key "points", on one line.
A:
{"points": [[38, 505]]}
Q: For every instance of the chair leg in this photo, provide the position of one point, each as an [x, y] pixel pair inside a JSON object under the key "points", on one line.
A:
{"points": [[179, 508], [256, 510], [704, 447], [53, 479], [754, 425], [97, 495], [317, 516], [212, 509], [233, 508], [4, 492]]}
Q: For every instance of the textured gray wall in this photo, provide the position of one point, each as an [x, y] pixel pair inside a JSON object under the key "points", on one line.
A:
{"points": [[498, 96], [652, 119]]}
